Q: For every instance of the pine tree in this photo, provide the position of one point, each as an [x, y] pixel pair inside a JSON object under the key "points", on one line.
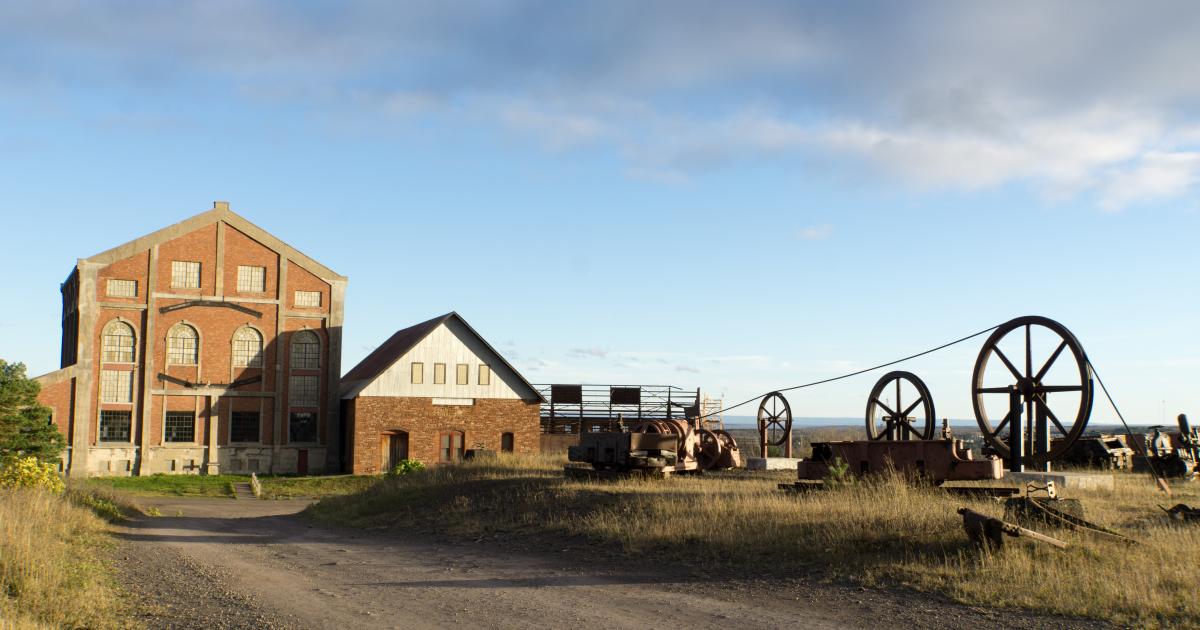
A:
{"points": [[25, 425]]}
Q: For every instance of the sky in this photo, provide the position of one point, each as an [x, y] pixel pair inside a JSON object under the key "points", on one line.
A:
{"points": [[737, 196]]}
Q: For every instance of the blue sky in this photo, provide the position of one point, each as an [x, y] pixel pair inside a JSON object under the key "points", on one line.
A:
{"points": [[736, 196]]}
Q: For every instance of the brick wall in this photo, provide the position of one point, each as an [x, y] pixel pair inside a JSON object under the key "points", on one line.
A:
{"points": [[482, 424], [220, 248]]}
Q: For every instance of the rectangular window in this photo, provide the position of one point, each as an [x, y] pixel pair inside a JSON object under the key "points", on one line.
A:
{"points": [[116, 386], [304, 391], [418, 373], [460, 377], [114, 425], [306, 353], [251, 279], [308, 299], [452, 446], [485, 375], [180, 426], [439, 373], [302, 427], [185, 275], [122, 288], [243, 427]]}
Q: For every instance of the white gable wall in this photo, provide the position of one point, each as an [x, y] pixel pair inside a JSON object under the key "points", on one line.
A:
{"points": [[450, 343]]}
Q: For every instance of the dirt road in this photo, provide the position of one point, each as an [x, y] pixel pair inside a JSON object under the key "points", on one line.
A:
{"points": [[220, 563]]}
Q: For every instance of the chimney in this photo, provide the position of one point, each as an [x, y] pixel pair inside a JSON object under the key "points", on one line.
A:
{"points": [[220, 205]]}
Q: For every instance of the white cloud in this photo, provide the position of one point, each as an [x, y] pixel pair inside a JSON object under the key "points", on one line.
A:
{"points": [[1156, 175], [816, 232]]}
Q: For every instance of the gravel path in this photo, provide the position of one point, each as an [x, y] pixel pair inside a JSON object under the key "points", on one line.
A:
{"points": [[220, 563]]}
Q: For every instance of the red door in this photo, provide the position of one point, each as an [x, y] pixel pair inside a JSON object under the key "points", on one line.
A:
{"points": [[302, 461]]}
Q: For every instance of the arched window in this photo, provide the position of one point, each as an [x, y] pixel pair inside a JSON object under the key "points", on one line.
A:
{"points": [[247, 347], [117, 345], [306, 350], [183, 345]]}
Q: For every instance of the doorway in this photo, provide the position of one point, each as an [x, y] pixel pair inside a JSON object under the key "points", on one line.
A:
{"points": [[395, 449]]}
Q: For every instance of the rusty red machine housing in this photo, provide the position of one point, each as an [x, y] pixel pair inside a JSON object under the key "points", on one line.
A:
{"points": [[938, 461]]}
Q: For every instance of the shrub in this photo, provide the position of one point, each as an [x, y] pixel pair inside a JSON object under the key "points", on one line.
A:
{"points": [[405, 466], [839, 473], [28, 472]]}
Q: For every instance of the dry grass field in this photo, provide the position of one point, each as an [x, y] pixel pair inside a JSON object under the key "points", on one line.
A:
{"points": [[882, 532], [52, 573]]}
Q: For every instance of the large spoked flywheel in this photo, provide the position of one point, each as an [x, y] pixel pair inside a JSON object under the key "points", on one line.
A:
{"points": [[775, 419], [1038, 364], [891, 415]]}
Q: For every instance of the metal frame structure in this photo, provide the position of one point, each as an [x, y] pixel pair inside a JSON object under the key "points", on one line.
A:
{"points": [[574, 409]]}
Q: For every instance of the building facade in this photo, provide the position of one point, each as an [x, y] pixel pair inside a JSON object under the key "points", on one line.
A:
{"points": [[208, 346], [431, 392]]}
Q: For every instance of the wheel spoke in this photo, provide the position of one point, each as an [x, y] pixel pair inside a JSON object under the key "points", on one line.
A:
{"points": [[907, 411], [1053, 418], [991, 390], [999, 427], [1028, 350], [1046, 389], [1046, 367], [885, 407], [898, 403], [1011, 368]]}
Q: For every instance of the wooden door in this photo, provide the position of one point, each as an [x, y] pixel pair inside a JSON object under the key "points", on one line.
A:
{"points": [[397, 449]]}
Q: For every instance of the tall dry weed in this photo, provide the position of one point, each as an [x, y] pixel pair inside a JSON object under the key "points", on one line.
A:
{"points": [[884, 530], [51, 572]]}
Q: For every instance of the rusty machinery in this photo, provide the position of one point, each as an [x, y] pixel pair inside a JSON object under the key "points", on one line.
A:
{"points": [[900, 438], [656, 447], [1053, 394]]}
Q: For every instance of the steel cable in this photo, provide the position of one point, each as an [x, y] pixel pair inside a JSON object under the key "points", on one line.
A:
{"points": [[863, 371], [1162, 483]]}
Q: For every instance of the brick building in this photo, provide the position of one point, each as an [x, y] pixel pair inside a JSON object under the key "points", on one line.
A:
{"points": [[430, 392], [207, 346]]}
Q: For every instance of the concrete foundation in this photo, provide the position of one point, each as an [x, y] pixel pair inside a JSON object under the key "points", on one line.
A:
{"points": [[772, 463], [1065, 480]]}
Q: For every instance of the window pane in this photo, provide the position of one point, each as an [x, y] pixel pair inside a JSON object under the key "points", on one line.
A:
{"points": [[439, 373], [251, 279], [180, 426], [117, 344], [304, 391], [243, 427], [306, 350], [114, 426], [461, 376], [116, 386], [122, 288], [308, 299], [247, 348], [485, 375], [418, 373], [302, 427], [182, 345], [185, 275]]}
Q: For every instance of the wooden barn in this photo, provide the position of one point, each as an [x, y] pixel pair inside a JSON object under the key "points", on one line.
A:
{"points": [[430, 393]]}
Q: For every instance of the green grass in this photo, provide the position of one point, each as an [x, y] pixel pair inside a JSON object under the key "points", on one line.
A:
{"points": [[314, 487], [172, 485]]}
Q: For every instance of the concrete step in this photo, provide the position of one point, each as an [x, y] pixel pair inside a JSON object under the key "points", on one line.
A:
{"points": [[243, 491]]}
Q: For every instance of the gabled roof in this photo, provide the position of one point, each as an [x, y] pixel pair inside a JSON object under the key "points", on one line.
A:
{"points": [[390, 351], [220, 212]]}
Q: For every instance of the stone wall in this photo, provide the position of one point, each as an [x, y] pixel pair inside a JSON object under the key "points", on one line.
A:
{"points": [[372, 418]]}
